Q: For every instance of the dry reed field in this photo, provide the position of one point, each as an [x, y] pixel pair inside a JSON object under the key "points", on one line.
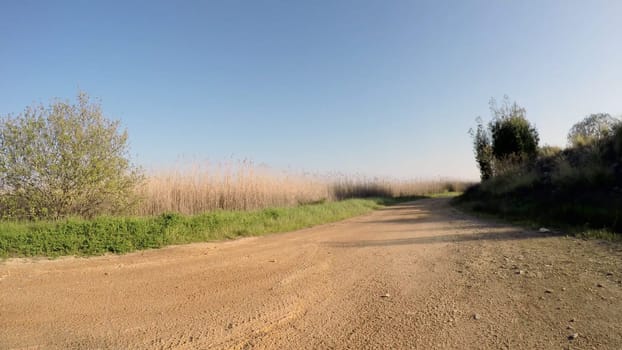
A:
{"points": [[244, 185]]}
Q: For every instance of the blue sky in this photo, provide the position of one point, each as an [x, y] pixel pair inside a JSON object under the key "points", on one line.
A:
{"points": [[373, 87]]}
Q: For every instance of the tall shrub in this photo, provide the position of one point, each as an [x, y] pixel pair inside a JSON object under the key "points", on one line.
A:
{"points": [[64, 159], [483, 150], [507, 141], [512, 134]]}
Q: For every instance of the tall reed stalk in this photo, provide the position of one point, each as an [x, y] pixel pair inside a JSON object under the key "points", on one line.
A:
{"points": [[246, 186]]}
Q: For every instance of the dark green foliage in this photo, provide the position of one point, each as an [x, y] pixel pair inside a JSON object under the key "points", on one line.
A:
{"points": [[507, 142], [617, 142], [577, 187], [511, 133], [483, 150], [514, 136]]}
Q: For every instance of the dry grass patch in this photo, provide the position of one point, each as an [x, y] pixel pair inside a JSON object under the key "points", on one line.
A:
{"points": [[243, 185]]}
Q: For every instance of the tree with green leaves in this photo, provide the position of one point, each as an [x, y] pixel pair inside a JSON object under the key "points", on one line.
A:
{"points": [[64, 159], [513, 136], [508, 140], [483, 150], [592, 129]]}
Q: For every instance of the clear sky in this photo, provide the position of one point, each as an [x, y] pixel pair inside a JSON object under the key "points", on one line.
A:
{"points": [[371, 87]]}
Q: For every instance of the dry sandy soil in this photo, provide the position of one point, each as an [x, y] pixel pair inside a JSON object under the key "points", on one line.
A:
{"points": [[420, 275]]}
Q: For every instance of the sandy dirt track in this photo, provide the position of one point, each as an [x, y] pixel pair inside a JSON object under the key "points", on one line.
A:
{"points": [[416, 276]]}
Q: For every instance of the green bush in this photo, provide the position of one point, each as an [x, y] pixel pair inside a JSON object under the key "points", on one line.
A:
{"points": [[64, 159], [508, 141], [580, 186], [483, 150], [511, 133]]}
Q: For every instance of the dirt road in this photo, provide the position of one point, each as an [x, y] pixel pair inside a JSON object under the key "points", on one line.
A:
{"points": [[420, 275]]}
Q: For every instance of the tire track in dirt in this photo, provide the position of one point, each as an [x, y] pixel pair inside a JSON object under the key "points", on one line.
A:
{"points": [[323, 288]]}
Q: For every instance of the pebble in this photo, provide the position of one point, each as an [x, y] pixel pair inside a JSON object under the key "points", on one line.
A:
{"points": [[564, 289], [476, 316], [548, 291], [573, 336], [569, 327], [273, 260], [599, 285], [386, 295], [609, 273], [520, 272]]}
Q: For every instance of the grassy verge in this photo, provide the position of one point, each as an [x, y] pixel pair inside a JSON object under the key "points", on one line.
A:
{"points": [[397, 200], [125, 234], [384, 201], [447, 194], [575, 217], [603, 234], [577, 189]]}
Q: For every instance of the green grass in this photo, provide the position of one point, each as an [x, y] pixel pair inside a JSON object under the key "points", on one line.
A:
{"points": [[447, 194], [568, 216], [605, 235], [126, 234], [567, 210], [384, 201]]}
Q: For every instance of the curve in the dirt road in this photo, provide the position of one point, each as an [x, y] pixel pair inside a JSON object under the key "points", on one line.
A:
{"points": [[405, 277]]}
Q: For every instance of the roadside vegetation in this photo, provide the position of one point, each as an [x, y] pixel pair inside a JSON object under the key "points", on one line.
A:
{"points": [[69, 187], [116, 234], [578, 187], [246, 186], [64, 159]]}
